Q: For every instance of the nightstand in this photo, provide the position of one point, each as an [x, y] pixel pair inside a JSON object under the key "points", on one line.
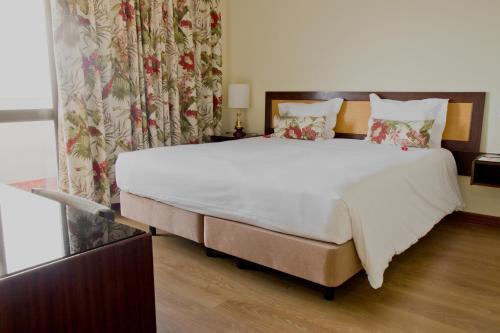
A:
{"points": [[229, 137], [486, 170]]}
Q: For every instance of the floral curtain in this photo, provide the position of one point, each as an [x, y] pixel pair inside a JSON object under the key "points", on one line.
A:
{"points": [[132, 75]]}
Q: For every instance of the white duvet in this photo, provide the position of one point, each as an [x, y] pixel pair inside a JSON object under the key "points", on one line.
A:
{"points": [[383, 198]]}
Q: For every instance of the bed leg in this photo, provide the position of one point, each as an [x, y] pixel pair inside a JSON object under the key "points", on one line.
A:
{"points": [[329, 293], [214, 253], [241, 263], [152, 231]]}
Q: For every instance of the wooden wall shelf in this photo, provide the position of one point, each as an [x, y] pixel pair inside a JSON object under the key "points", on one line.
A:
{"points": [[486, 170]]}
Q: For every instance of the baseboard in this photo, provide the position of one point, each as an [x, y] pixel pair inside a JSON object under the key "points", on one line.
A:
{"points": [[478, 218]]}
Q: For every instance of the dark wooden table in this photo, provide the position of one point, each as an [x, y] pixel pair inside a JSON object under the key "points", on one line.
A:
{"points": [[61, 271], [486, 170]]}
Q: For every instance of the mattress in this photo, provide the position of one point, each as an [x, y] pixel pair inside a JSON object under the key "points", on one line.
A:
{"points": [[334, 190]]}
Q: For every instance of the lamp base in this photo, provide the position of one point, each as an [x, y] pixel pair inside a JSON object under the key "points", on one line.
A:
{"points": [[238, 134]]}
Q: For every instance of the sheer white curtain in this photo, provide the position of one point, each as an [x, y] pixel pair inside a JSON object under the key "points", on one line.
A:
{"points": [[27, 81]]}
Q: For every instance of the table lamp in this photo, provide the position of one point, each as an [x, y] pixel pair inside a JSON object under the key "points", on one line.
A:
{"points": [[238, 98]]}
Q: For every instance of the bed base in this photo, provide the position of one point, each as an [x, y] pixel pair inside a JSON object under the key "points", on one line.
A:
{"points": [[326, 264], [161, 216]]}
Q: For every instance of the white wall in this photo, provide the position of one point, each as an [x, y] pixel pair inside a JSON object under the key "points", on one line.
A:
{"points": [[391, 45]]}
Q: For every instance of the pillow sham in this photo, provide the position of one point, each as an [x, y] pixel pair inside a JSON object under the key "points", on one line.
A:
{"points": [[302, 128], [425, 109], [328, 109], [415, 133]]}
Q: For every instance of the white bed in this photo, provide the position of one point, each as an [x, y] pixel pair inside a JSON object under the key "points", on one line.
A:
{"points": [[383, 198]]}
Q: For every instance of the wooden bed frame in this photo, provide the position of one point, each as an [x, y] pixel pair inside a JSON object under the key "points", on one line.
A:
{"points": [[464, 123], [327, 264]]}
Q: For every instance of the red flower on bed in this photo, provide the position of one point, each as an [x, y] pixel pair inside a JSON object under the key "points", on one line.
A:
{"points": [[187, 61], [127, 12], [379, 131], [293, 133]]}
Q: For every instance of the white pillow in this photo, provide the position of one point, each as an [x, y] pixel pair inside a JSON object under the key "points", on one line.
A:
{"points": [[425, 109], [328, 109]]}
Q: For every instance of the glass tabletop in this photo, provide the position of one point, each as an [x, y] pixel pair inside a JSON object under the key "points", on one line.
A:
{"points": [[35, 230]]}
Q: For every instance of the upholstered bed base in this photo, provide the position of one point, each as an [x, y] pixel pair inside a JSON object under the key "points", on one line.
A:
{"points": [[324, 263], [162, 216], [327, 264]]}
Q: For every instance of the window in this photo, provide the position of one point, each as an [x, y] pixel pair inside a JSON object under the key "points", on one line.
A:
{"points": [[28, 151], [24, 66], [27, 94]]}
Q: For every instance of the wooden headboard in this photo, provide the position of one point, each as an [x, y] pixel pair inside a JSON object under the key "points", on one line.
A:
{"points": [[462, 134]]}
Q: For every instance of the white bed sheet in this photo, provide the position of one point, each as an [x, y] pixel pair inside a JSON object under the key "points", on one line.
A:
{"points": [[333, 190]]}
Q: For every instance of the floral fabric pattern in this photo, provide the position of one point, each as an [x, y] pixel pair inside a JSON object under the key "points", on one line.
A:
{"points": [[87, 231], [303, 128], [401, 133], [132, 75]]}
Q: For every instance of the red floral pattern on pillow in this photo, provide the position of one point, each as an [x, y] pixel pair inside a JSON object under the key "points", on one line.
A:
{"points": [[302, 128], [402, 133]]}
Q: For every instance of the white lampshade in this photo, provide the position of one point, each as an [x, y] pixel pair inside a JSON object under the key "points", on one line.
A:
{"points": [[238, 96]]}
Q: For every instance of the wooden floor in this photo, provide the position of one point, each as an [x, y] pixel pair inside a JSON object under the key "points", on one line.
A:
{"points": [[448, 282]]}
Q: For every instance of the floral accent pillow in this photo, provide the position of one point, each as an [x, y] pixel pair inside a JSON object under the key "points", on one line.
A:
{"points": [[302, 128], [416, 133]]}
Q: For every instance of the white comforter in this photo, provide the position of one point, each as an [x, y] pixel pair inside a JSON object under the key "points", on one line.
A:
{"points": [[334, 190]]}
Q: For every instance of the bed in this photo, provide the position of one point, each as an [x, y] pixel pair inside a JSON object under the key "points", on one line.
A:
{"points": [[266, 200]]}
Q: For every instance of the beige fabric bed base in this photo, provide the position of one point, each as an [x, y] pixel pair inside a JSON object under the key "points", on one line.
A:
{"points": [[327, 264], [162, 216], [324, 263]]}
